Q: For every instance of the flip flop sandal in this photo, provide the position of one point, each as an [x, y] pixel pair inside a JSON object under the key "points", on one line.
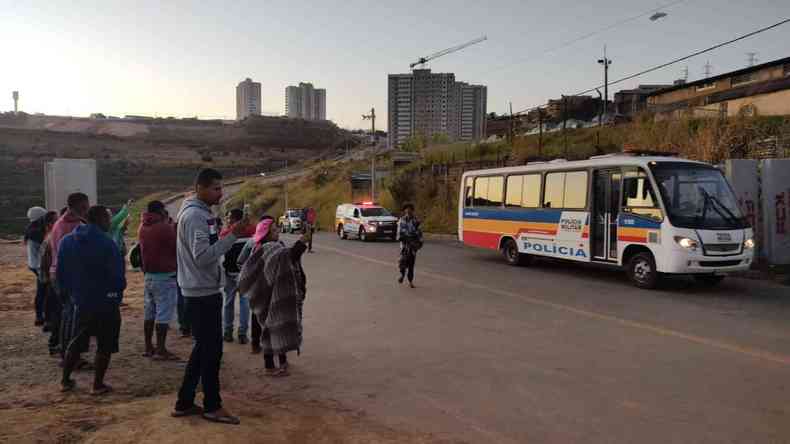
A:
{"points": [[192, 411], [278, 373], [227, 419], [105, 389], [68, 386]]}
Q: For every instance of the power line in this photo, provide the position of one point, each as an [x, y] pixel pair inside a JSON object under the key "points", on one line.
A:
{"points": [[590, 34], [678, 60]]}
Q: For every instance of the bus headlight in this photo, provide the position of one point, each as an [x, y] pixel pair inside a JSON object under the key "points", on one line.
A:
{"points": [[748, 243], [687, 243]]}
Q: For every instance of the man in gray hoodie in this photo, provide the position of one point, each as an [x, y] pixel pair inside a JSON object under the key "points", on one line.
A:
{"points": [[198, 252]]}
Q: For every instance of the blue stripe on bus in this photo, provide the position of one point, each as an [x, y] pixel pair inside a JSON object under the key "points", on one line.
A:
{"points": [[630, 221], [545, 216]]}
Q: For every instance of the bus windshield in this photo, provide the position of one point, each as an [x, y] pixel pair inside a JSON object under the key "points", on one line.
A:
{"points": [[697, 196]]}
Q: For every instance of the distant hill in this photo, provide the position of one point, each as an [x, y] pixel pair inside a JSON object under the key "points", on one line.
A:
{"points": [[137, 157]]}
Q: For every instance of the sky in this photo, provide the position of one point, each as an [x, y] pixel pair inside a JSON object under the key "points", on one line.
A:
{"points": [[183, 59]]}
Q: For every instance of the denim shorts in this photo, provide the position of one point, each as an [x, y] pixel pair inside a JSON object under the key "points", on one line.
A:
{"points": [[161, 299]]}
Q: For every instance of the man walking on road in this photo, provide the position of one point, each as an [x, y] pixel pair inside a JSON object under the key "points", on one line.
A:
{"points": [[90, 270], [198, 252], [309, 226], [410, 236], [231, 287], [157, 237]]}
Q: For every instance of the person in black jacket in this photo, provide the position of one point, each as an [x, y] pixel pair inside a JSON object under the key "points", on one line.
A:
{"points": [[90, 269], [410, 236]]}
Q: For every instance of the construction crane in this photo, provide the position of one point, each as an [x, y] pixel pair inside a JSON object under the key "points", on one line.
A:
{"points": [[426, 59]]}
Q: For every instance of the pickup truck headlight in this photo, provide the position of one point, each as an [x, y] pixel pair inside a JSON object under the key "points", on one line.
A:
{"points": [[748, 243]]}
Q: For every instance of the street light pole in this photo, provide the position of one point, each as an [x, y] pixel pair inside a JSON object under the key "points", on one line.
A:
{"points": [[605, 62], [372, 118]]}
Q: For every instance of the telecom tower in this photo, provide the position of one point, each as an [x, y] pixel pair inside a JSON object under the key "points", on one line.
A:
{"points": [[707, 69], [15, 95], [752, 58]]}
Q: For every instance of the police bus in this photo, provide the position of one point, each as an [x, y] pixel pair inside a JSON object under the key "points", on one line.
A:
{"points": [[649, 215]]}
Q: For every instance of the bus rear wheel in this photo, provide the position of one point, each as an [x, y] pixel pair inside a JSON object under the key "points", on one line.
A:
{"points": [[512, 255], [708, 279], [641, 270]]}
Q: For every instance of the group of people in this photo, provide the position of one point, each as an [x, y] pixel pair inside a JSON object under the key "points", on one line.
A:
{"points": [[77, 258], [192, 267]]}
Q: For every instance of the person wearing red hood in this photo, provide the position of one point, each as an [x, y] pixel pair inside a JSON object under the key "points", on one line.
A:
{"points": [[157, 237]]}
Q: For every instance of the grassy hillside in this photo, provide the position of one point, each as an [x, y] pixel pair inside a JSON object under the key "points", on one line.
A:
{"points": [[324, 188], [435, 193]]}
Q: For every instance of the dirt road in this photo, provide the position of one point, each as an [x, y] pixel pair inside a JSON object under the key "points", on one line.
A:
{"points": [[32, 409]]}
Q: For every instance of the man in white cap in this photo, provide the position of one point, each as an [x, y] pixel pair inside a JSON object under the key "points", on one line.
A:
{"points": [[34, 236]]}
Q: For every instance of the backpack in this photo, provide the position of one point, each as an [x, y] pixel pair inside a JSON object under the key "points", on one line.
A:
{"points": [[136, 256]]}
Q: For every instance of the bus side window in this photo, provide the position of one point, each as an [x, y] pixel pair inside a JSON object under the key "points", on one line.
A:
{"points": [[554, 190], [515, 191], [468, 192], [481, 192], [488, 191], [496, 189], [639, 197], [523, 191]]}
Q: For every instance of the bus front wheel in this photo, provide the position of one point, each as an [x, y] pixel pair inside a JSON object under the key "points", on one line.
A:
{"points": [[642, 270], [511, 254]]}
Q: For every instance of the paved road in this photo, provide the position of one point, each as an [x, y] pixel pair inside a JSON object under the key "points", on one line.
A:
{"points": [[484, 352]]}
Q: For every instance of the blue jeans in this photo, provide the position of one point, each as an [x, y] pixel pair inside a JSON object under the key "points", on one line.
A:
{"points": [[161, 299], [229, 307]]}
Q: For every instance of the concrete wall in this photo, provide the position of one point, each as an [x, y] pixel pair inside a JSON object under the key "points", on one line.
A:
{"points": [[65, 176], [743, 176], [775, 201]]}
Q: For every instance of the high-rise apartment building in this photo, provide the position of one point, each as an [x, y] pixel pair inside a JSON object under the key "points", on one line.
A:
{"points": [[248, 99], [429, 104], [293, 102], [471, 112], [319, 104], [305, 102]]}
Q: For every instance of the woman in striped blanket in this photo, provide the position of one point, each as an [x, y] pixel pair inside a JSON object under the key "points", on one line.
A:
{"points": [[275, 283]]}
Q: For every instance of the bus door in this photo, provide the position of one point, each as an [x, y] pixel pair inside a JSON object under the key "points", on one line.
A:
{"points": [[606, 207]]}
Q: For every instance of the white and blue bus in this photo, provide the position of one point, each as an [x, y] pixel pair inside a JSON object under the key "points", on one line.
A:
{"points": [[648, 215]]}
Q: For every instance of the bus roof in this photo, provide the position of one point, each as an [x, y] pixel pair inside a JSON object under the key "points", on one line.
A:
{"points": [[593, 162]]}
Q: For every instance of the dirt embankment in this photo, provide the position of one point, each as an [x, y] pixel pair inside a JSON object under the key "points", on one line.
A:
{"points": [[139, 157], [32, 409]]}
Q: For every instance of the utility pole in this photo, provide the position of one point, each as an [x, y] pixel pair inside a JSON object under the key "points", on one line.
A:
{"points": [[605, 62], [512, 135], [600, 118], [372, 118], [285, 186], [540, 132], [565, 122]]}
